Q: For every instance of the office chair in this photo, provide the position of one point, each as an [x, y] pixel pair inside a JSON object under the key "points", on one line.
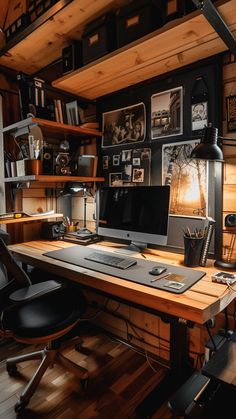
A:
{"points": [[40, 313]]}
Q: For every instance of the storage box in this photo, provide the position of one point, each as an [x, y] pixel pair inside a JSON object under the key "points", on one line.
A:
{"points": [[99, 38], [137, 19], [72, 57], [177, 8]]}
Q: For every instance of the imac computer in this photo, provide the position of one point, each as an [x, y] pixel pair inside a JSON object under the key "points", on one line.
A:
{"points": [[138, 214]]}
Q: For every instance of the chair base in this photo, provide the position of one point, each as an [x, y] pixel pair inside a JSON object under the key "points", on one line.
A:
{"points": [[49, 357]]}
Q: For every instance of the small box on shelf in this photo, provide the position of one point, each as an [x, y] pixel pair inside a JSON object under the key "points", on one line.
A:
{"points": [[99, 38]]}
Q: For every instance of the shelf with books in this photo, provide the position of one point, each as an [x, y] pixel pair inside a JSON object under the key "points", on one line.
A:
{"points": [[55, 129]]}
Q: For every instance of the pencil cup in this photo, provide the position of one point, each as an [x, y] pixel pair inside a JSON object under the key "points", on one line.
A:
{"points": [[33, 167], [192, 250]]}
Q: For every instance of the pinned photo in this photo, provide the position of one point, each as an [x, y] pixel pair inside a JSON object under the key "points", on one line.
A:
{"points": [[126, 155], [138, 175], [115, 179], [199, 116], [116, 160], [127, 174], [136, 161], [105, 160]]}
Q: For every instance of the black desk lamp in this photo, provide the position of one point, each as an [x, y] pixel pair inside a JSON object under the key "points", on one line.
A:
{"points": [[72, 188], [209, 149]]}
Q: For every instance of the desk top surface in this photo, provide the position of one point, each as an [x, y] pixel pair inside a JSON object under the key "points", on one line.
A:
{"points": [[202, 301]]}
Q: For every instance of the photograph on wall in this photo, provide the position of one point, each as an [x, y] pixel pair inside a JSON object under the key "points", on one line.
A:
{"points": [[116, 160], [138, 175], [126, 155], [124, 126], [167, 113], [105, 161], [115, 179], [199, 116], [127, 173], [231, 113], [188, 179]]}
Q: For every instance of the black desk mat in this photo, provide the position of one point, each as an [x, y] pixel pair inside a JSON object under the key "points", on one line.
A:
{"points": [[139, 273]]}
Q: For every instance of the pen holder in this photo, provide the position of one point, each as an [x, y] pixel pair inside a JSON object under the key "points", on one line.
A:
{"points": [[192, 250], [33, 167]]}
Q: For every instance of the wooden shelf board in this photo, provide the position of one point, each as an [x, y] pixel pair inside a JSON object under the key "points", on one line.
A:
{"points": [[52, 178], [175, 45], [28, 219], [41, 43], [52, 127]]}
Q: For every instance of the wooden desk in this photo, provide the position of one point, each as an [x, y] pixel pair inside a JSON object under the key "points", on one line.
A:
{"points": [[198, 304]]}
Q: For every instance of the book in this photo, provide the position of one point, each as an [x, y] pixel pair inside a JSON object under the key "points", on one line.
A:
{"points": [[209, 227]]}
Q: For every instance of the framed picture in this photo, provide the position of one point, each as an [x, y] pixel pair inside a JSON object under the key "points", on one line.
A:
{"points": [[127, 174], [136, 161], [188, 179], [115, 179], [124, 126], [116, 160], [167, 113], [105, 161], [199, 113], [138, 175], [72, 113], [231, 113], [126, 155]]}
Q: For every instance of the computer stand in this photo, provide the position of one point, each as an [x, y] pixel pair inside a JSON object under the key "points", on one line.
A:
{"points": [[180, 369], [132, 249]]}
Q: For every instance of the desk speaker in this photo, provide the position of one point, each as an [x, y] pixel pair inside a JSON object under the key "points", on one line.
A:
{"points": [[230, 220]]}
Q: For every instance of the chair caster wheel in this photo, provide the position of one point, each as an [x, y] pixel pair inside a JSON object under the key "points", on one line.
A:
{"points": [[84, 383], [12, 370], [20, 406]]}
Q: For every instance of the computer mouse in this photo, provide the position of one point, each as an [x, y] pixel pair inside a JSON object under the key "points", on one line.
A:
{"points": [[157, 270]]}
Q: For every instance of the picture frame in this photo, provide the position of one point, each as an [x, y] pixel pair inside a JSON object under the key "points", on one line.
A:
{"points": [[199, 115], [115, 179], [188, 179], [127, 173], [136, 161], [124, 126], [138, 175], [105, 162], [126, 156], [167, 113], [231, 113], [72, 113], [116, 160]]}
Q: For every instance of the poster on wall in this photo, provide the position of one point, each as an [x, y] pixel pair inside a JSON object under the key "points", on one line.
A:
{"points": [[124, 126], [231, 113], [188, 179], [167, 113]]}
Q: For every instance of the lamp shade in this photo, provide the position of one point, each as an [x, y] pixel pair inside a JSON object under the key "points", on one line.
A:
{"points": [[208, 149]]}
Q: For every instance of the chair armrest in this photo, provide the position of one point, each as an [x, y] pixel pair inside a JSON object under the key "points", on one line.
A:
{"points": [[34, 291]]}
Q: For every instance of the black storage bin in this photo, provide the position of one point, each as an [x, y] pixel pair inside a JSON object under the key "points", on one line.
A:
{"points": [[72, 57], [177, 8], [20, 23], [99, 38], [137, 19]]}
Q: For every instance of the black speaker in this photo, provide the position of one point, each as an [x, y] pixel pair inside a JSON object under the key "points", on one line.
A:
{"points": [[52, 230], [72, 57], [48, 161], [230, 220]]}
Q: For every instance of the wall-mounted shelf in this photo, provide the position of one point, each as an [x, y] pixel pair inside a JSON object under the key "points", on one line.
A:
{"points": [[52, 178], [30, 219], [178, 43], [42, 41], [55, 129]]}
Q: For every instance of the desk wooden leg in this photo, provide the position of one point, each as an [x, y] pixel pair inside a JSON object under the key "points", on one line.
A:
{"points": [[180, 370]]}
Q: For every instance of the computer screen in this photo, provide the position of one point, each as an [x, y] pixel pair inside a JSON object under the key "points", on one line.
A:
{"points": [[139, 214]]}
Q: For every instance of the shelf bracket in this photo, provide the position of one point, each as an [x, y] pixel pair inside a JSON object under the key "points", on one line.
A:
{"points": [[217, 22]]}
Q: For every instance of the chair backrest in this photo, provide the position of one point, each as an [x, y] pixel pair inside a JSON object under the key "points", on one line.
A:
{"points": [[7, 262]]}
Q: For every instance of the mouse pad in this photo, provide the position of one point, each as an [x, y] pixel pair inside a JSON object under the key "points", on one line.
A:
{"points": [[175, 279]]}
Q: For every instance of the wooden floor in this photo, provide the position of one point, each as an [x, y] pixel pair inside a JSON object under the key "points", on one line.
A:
{"points": [[119, 379]]}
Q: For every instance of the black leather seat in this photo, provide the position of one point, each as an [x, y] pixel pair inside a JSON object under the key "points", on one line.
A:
{"points": [[38, 313]]}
